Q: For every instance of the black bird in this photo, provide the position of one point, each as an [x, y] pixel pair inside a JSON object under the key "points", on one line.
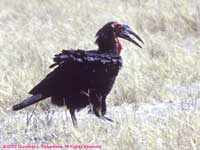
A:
{"points": [[83, 78]]}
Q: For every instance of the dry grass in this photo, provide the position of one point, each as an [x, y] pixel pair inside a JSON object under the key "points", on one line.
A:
{"points": [[32, 31]]}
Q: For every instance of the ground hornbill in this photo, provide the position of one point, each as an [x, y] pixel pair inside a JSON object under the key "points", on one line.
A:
{"points": [[83, 78]]}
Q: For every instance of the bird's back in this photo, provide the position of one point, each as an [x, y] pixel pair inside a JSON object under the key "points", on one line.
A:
{"points": [[77, 70]]}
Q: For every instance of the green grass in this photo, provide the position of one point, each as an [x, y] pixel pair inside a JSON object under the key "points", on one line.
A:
{"points": [[32, 31]]}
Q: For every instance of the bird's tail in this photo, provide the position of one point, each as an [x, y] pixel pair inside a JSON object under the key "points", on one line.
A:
{"points": [[27, 102]]}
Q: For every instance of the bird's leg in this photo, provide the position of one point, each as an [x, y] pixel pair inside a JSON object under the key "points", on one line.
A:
{"points": [[96, 103], [103, 106], [104, 109], [65, 103], [97, 111], [73, 116]]}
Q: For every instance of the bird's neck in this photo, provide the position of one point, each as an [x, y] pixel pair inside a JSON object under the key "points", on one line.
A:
{"points": [[118, 45], [109, 44]]}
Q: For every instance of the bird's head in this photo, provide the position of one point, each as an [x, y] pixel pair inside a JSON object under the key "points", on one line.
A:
{"points": [[107, 37]]}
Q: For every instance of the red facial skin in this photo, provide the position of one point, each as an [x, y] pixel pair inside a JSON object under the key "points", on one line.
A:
{"points": [[118, 45], [117, 28]]}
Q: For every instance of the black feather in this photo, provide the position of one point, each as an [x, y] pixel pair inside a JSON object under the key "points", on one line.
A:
{"points": [[81, 78]]}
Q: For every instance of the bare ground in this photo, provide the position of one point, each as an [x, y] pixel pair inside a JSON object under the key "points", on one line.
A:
{"points": [[155, 101]]}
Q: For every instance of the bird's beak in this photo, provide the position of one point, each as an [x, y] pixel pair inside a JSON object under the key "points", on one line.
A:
{"points": [[126, 31]]}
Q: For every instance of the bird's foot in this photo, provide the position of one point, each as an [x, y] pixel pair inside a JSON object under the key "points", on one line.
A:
{"points": [[108, 119]]}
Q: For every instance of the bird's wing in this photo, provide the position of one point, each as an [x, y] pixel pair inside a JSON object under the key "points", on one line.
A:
{"points": [[78, 69], [83, 56]]}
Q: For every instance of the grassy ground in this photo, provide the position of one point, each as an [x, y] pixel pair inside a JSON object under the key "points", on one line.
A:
{"points": [[32, 31]]}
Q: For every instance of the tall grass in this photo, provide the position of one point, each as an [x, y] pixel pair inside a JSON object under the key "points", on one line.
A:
{"points": [[32, 31]]}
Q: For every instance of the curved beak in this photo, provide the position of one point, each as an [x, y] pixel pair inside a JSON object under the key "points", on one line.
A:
{"points": [[126, 31]]}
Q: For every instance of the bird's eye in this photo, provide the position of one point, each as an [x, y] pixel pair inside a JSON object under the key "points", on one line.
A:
{"points": [[117, 27]]}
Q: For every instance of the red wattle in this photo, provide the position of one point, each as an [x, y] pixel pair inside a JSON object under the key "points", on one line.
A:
{"points": [[118, 46]]}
